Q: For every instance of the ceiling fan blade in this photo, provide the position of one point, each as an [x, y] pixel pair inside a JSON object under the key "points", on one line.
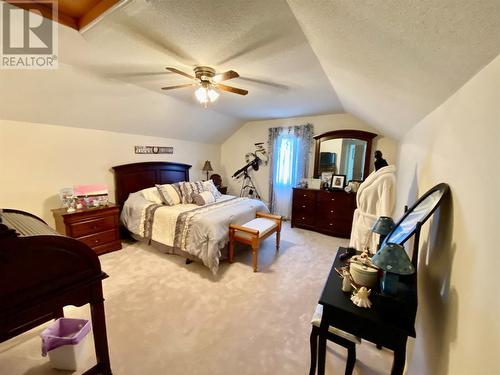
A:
{"points": [[180, 72], [231, 89], [230, 74], [266, 83], [178, 86]]}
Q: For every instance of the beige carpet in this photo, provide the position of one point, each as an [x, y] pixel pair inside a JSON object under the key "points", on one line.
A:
{"points": [[166, 317]]}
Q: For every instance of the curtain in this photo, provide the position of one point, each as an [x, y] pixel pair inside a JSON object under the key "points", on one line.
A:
{"points": [[289, 151]]}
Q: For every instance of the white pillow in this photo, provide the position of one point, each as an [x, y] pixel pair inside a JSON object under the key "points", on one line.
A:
{"points": [[152, 195], [203, 198], [209, 186], [170, 194]]}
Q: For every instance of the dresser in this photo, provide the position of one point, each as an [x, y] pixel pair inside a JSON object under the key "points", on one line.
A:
{"points": [[323, 211], [98, 228]]}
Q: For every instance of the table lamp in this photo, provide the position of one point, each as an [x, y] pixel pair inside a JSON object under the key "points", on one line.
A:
{"points": [[207, 167], [383, 226], [394, 261]]}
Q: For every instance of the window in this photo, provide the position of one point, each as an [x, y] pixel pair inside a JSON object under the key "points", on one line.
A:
{"points": [[287, 149]]}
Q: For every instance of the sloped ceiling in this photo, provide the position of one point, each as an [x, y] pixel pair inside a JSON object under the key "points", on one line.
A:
{"points": [[110, 76], [392, 62], [388, 62]]}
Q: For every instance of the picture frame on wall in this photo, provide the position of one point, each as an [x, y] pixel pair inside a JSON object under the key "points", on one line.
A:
{"points": [[338, 181]]}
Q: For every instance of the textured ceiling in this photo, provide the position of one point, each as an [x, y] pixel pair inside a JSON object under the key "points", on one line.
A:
{"points": [[388, 62], [259, 39], [392, 62]]}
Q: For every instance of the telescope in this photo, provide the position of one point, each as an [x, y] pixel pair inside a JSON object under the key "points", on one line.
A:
{"points": [[243, 170]]}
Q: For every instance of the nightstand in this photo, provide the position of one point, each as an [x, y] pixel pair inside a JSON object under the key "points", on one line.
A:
{"points": [[96, 227]]}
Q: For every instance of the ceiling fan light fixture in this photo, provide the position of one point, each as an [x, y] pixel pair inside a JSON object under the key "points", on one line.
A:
{"points": [[205, 95]]}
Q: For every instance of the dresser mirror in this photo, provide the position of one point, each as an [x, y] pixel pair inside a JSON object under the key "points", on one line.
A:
{"points": [[344, 152]]}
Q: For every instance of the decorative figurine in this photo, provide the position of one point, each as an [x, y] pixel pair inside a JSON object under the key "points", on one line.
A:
{"points": [[346, 280], [360, 298]]}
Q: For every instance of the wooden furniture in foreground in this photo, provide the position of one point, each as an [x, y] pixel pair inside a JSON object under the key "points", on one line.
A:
{"points": [[253, 232], [40, 273], [387, 323], [323, 211], [97, 228]]}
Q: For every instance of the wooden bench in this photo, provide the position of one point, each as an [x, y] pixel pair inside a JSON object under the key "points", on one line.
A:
{"points": [[253, 232]]}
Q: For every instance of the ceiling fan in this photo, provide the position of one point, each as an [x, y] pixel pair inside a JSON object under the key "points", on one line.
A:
{"points": [[208, 81]]}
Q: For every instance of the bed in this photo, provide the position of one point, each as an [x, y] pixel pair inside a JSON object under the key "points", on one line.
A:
{"points": [[198, 233]]}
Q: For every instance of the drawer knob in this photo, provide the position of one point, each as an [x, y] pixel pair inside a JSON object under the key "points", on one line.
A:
{"points": [[303, 218], [305, 195], [94, 226], [333, 199], [96, 241], [303, 206], [331, 211], [331, 224]]}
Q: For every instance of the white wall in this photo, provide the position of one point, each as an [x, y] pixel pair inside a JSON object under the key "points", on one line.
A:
{"points": [[36, 160], [458, 325], [242, 141]]}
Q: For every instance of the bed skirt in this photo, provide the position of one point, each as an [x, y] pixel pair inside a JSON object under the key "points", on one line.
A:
{"points": [[165, 249]]}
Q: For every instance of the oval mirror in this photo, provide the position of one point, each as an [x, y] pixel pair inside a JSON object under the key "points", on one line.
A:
{"points": [[417, 214], [343, 152]]}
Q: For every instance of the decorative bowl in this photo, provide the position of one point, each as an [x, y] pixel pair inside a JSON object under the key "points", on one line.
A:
{"points": [[363, 275]]}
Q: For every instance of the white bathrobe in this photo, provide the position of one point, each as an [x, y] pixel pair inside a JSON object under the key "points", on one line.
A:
{"points": [[376, 197]]}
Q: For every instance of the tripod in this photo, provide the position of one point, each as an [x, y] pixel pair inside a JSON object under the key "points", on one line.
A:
{"points": [[247, 186]]}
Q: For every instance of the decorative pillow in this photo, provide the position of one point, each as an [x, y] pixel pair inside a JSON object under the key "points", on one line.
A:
{"points": [[170, 194], [152, 195], [190, 188], [209, 186], [205, 197]]}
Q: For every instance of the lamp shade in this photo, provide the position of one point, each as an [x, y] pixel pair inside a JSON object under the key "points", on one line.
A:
{"points": [[383, 225], [207, 167], [393, 258]]}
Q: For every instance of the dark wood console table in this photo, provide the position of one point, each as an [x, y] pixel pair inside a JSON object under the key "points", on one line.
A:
{"points": [[388, 322]]}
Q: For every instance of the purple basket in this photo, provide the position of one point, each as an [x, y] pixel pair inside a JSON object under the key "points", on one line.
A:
{"points": [[64, 331]]}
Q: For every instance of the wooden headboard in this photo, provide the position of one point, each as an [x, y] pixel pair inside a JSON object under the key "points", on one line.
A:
{"points": [[130, 178]]}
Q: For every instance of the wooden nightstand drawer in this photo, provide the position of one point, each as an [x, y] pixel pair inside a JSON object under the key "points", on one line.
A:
{"points": [[97, 228], [84, 228], [92, 226], [99, 239]]}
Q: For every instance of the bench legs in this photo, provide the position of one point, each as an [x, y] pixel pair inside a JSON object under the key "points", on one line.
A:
{"points": [[254, 240], [255, 253], [278, 235], [231, 245]]}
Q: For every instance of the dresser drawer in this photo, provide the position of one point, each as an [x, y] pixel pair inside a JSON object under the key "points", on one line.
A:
{"points": [[337, 227], [99, 239], [301, 196], [100, 224], [304, 206], [302, 217]]}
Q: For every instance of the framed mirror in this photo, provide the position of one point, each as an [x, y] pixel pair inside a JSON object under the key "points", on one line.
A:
{"points": [[344, 152], [417, 214]]}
